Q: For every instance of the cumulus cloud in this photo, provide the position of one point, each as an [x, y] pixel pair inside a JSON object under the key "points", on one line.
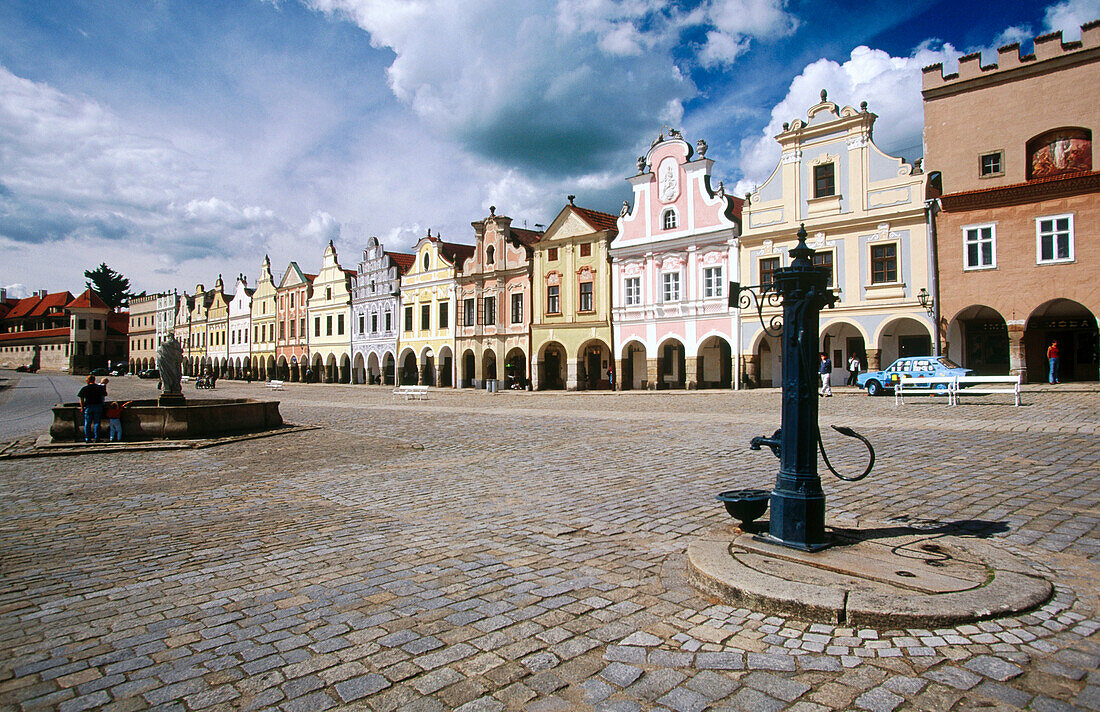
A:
{"points": [[17, 291], [552, 88], [1068, 17]]}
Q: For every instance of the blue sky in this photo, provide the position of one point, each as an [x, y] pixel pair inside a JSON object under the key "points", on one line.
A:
{"points": [[177, 140]]}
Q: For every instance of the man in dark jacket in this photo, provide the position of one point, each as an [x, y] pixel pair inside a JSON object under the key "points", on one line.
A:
{"points": [[91, 405]]}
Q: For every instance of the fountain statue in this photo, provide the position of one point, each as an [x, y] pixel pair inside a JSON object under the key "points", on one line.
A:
{"points": [[169, 363]]}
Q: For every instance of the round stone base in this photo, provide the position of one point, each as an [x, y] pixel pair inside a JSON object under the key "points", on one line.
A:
{"points": [[875, 575]]}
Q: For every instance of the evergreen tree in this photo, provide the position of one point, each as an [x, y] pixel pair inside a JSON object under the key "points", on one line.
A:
{"points": [[111, 286]]}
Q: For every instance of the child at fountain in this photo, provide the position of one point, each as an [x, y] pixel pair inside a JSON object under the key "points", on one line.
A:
{"points": [[114, 416]]}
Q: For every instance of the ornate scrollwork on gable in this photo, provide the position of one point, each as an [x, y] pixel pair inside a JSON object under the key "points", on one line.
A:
{"points": [[671, 262], [824, 158], [712, 257], [632, 269], [585, 273], [553, 278]]}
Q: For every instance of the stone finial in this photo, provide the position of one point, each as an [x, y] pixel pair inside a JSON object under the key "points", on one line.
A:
{"points": [[492, 211], [721, 189], [786, 126], [641, 165], [675, 133], [863, 106], [824, 95], [571, 198], [701, 147], [624, 210]]}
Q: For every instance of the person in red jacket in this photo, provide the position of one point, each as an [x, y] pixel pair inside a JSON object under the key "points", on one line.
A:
{"points": [[114, 417], [1052, 357]]}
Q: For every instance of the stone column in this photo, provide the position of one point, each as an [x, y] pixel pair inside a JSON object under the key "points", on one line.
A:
{"points": [[691, 382], [651, 373], [572, 372], [536, 374], [1017, 352], [873, 356], [422, 376], [752, 370]]}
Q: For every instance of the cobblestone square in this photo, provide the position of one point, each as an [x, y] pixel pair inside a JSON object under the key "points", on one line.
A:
{"points": [[525, 552]]}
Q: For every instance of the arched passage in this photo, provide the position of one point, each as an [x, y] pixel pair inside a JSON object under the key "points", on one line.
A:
{"points": [[427, 368], [902, 337], [843, 339], [1073, 327], [515, 369], [345, 369], [445, 367], [316, 370], [714, 363], [551, 367], [389, 369], [488, 366], [593, 360], [632, 367], [671, 372], [332, 375], [469, 369], [977, 339]]}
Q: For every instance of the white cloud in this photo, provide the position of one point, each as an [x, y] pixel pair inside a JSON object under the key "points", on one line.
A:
{"points": [[1068, 17], [890, 86], [736, 22], [17, 291]]}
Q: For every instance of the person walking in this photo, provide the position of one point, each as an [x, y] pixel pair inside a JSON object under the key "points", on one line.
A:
{"points": [[853, 370], [1052, 357], [114, 419], [826, 371], [91, 405]]}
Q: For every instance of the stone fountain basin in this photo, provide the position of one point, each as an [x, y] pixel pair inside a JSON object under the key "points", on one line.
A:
{"points": [[199, 418]]}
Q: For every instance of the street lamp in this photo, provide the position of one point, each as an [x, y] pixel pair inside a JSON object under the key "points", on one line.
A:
{"points": [[926, 301]]}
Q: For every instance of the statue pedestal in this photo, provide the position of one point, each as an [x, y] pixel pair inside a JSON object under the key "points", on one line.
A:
{"points": [[171, 399]]}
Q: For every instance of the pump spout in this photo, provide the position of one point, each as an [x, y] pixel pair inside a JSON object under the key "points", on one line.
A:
{"points": [[772, 442]]}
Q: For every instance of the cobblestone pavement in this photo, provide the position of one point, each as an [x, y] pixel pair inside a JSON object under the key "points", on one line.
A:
{"points": [[525, 552]]}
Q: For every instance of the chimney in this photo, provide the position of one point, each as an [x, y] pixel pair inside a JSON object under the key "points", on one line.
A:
{"points": [[41, 294]]}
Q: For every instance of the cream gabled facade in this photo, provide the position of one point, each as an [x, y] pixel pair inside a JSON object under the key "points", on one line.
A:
{"points": [[865, 214], [183, 333], [167, 307], [427, 339], [492, 329], [217, 330], [675, 252], [330, 320], [571, 335], [263, 324], [238, 331], [197, 318], [143, 333]]}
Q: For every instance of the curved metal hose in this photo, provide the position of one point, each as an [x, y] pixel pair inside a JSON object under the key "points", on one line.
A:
{"points": [[847, 432]]}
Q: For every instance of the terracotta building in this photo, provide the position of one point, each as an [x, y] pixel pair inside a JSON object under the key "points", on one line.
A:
{"points": [[1017, 246], [493, 330]]}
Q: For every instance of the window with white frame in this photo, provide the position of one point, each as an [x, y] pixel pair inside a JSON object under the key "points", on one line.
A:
{"points": [[669, 219], [670, 287], [468, 307], [980, 246], [633, 291], [1054, 239], [712, 282]]}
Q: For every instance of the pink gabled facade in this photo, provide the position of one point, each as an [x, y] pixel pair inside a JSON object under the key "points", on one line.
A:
{"points": [[672, 261]]}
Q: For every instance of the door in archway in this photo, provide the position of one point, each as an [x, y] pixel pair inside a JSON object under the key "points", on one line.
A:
{"points": [[552, 368]]}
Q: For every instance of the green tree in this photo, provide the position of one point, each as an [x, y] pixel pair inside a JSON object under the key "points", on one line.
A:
{"points": [[111, 286]]}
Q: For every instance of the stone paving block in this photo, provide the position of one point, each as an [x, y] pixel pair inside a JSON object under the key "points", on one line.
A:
{"points": [[774, 686], [1003, 693], [994, 667], [879, 699], [621, 674], [654, 684], [308, 703], [683, 699], [749, 700]]}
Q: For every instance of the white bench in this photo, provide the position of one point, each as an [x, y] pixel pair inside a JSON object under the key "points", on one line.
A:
{"points": [[414, 392], [908, 385], [274, 385], [965, 385]]}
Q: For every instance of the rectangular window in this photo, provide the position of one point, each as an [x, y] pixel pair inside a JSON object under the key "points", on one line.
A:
{"points": [[255, 334], [980, 247], [95, 324], [425, 317], [292, 300], [490, 310], [409, 318], [1054, 237], [586, 249], [374, 323], [328, 325], [444, 315], [302, 326], [389, 321], [712, 282], [316, 326], [362, 323], [553, 301], [825, 180], [884, 263], [552, 254], [339, 324], [823, 260], [468, 312], [991, 164], [585, 297], [670, 287], [768, 267], [633, 291], [517, 308]]}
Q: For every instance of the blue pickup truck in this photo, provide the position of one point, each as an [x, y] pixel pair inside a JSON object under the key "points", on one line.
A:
{"points": [[879, 383]]}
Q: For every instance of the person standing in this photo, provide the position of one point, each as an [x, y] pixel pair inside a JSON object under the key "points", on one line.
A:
{"points": [[91, 405], [114, 419], [1052, 357], [826, 371], [853, 369]]}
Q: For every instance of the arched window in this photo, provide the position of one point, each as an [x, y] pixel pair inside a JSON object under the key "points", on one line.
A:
{"points": [[425, 261], [489, 257], [669, 219]]}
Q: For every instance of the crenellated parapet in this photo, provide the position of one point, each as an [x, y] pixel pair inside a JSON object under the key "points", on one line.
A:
{"points": [[1010, 62]]}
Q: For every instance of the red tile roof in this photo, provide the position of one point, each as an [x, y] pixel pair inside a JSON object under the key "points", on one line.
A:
{"points": [[403, 261], [88, 299], [598, 220], [525, 236], [23, 307], [35, 334], [58, 299], [456, 252]]}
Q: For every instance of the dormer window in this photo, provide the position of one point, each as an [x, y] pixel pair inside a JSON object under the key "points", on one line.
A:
{"points": [[669, 219], [825, 180], [489, 256]]}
